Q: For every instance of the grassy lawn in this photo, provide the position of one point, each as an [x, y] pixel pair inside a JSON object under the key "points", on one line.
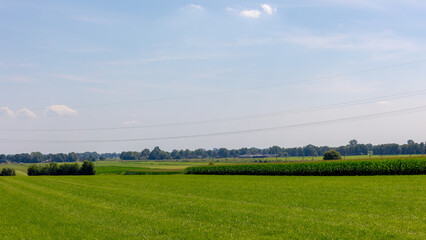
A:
{"points": [[213, 207]]}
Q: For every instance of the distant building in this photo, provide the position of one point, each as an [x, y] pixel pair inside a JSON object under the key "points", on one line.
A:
{"points": [[258, 156]]}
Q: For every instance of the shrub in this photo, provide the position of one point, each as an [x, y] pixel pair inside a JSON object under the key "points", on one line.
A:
{"points": [[87, 168], [332, 155], [33, 170], [68, 169], [7, 172]]}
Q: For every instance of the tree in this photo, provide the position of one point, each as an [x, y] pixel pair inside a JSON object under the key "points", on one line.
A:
{"points": [[353, 142], [145, 153], [3, 158], [223, 153], [37, 157], [158, 154], [72, 157], [91, 158], [175, 154], [87, 168], [332, 155], [129, 155]]}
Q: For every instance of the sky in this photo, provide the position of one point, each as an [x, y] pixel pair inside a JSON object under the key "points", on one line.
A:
{"points": [[112, 76]]}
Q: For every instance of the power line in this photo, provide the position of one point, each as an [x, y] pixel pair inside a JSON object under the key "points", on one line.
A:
{"points": [[250, 88], [262, 87], [318, 123], [243, 117]]}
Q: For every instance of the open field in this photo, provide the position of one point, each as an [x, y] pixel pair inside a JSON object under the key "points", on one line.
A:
{"points": [[213, 207], [120, 167]]}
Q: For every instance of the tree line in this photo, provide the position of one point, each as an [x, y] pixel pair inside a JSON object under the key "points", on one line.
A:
{"points": [[353, 148], [38, 157]]}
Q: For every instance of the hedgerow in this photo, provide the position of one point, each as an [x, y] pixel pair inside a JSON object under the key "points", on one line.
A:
{"points": [[321, 168], [87, 168], [7, 172]]}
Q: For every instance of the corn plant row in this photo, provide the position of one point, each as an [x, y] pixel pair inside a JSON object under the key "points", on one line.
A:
{"points": [[321, 168]]}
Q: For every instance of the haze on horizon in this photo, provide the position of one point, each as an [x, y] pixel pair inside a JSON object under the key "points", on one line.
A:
{"points": [[173, 74]]}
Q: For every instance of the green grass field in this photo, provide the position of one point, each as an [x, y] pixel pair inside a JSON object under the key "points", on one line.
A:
{"points": [[213, 207]]}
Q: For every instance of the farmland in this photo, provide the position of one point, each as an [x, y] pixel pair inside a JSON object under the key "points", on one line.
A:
{"points": [[213, 207], [120, 167]]}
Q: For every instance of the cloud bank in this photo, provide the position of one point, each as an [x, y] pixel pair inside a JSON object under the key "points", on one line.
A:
{"points": [[21, 113], [60, 110], [25, 113], [6, 112]]}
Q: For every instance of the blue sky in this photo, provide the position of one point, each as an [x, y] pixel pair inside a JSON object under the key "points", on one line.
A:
{"points": [[98, 64]]}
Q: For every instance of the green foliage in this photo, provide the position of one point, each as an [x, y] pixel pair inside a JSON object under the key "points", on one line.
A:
{"points": [[67, 169], [323, 168], [87, 168], [53, 168], [7, 172], [332, 155]]}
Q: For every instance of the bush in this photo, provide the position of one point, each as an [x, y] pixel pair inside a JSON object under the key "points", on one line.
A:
{"points": [[332, 155], [7, 172], [87, 168], [321, 168]]}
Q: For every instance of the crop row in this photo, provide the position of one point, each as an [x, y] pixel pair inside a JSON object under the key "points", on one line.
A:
{"points": [[321, 168]]}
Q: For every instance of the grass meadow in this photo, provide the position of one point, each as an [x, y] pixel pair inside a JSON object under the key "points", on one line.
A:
{"points": [[213, 207]]}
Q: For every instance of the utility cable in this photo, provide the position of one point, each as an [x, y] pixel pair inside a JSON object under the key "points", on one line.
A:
{"points": [[318, 123], [236, 118]]}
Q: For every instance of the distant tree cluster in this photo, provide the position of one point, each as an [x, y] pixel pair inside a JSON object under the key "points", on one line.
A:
{"points": [[7, 172], [87, 168], [37, 157]]}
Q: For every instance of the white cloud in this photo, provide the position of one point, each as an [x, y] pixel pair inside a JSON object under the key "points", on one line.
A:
{"points": [[229, 9], [370, 42], [25, 113], [99, 90], [254, 13], [384, 103], [192, 9], [6, 112], [76, 78], [60, 110], [268, 9], [131, 122], [90, 19], [195, 7]]}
